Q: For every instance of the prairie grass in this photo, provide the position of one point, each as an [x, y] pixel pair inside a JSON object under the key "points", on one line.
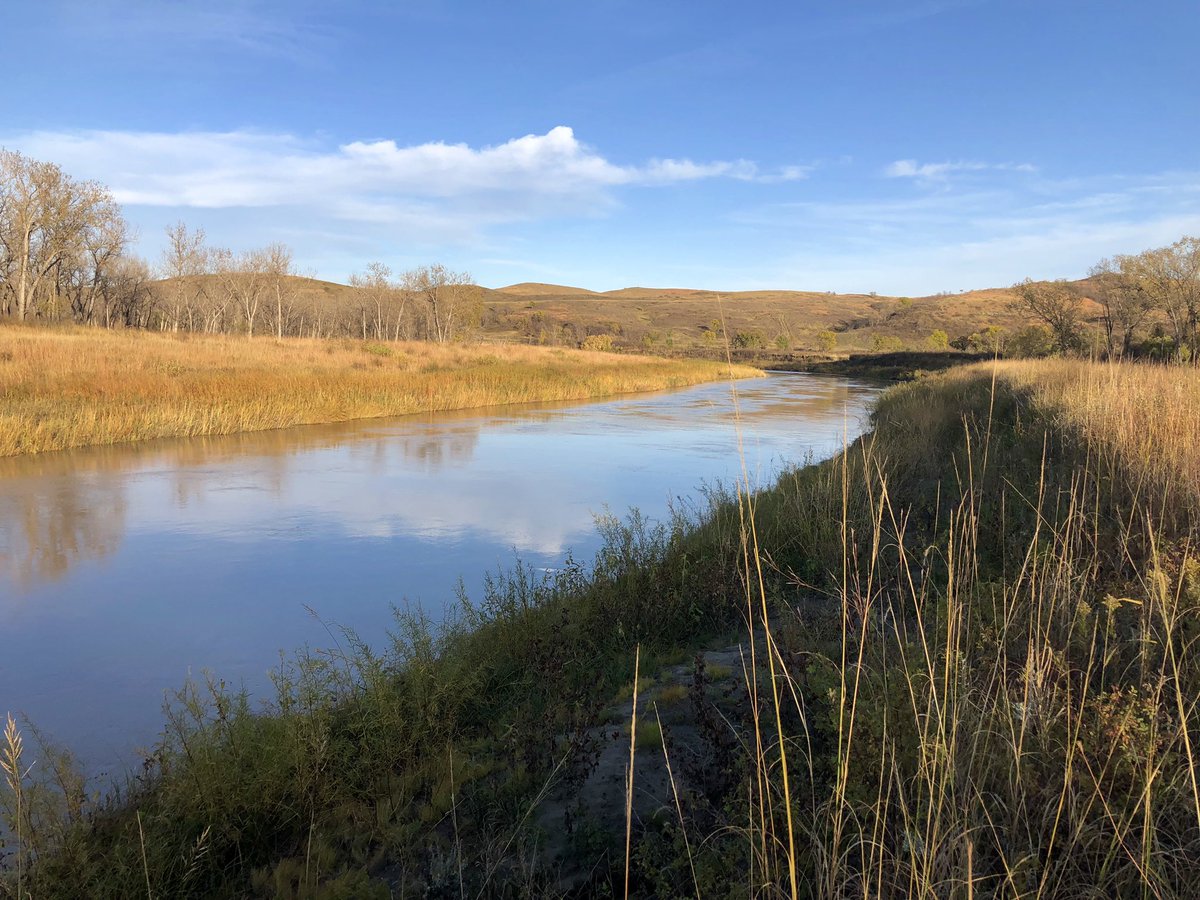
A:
{"points": [[75, 387], [1142, 418], [997, 696], [972, 664]]}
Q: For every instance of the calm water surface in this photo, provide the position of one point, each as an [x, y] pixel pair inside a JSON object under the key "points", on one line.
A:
{"points": [[123, 570]]}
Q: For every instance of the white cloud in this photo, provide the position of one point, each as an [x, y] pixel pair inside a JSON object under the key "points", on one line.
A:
{"points": [[377, 181], [995, 233], [940, 172]]}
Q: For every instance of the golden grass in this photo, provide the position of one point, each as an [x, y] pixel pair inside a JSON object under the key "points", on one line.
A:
{"points": [[71, 388], [1039, 740], [1144, 416]]}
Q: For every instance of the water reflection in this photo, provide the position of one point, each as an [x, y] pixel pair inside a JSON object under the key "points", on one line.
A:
{"points": [[124, 568]]}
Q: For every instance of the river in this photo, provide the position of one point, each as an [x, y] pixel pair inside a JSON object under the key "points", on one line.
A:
{"points": [[123, 570]]}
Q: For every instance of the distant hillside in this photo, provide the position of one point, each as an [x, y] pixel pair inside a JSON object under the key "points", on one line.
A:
{"points": [[679, 318], [537, 289], [684, 318]]}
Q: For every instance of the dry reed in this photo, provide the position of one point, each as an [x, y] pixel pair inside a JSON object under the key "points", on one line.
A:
{"points": [[77, 387]]}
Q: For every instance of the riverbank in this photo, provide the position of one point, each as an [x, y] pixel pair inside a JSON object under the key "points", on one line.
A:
{"points": [[960, 659], [80, 387], [904, 365]]}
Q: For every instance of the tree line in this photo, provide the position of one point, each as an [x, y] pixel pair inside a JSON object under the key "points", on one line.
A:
{"points": [[65, 255], [1149, 305]]}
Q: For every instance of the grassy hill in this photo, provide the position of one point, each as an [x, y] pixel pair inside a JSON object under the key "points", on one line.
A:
{"points": [[682, 319]]}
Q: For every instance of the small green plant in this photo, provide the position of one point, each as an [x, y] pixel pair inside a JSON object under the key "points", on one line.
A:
{"points": [[672, 693], [886, 343], [649, 736]]}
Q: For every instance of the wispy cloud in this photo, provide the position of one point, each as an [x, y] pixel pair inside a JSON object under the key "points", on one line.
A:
{"points": [[941, 172], [372, 181], [993, 231], [262, 27]]}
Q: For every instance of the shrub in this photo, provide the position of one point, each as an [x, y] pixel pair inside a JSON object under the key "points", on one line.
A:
{"points": [[598, 342], [886, 343], [749, 340], [1031, 342]]}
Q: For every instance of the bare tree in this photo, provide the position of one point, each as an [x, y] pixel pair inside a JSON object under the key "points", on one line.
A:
{"points": [[447, 297], [184, 262], [379, 299], [278, 267], [1058, 304], [244, 282], [126, 293], [46, 220], [82, 274]]}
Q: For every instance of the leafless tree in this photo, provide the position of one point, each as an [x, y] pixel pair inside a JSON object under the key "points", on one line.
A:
{"points": [[448, 297], [83, 274], [381, 302], [126, 292], [48, 221], [279, 269], [184, 263], [244, 281]]}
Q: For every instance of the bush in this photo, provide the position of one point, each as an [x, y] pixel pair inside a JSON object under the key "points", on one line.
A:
{"points": [[599, 342], [991, 339], [749, 340], [1031, 342], [886, 343]]}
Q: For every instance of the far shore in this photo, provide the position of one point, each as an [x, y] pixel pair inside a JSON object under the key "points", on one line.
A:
{"points": [[81, 386]]}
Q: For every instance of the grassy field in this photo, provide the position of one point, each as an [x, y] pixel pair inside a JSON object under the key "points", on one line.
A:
{"points": [[959, 660], [62, 389], [675, 320]]}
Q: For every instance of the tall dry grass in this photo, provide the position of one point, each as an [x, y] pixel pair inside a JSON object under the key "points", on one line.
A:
{"points": [[1001, 700], [1143, 417], [972, 670], [71, 388]]}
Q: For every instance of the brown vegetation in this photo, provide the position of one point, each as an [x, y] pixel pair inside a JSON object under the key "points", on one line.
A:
{"points": [[967, 665], [69, 388]]}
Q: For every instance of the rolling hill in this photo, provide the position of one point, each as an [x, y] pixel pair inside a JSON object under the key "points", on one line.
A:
{"points": [[681, 319]]}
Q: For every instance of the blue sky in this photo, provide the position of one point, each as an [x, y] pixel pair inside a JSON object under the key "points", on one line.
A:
{"points": [[899, 147]]}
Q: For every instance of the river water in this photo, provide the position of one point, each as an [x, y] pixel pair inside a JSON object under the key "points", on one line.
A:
{"points": [[123, 570]]}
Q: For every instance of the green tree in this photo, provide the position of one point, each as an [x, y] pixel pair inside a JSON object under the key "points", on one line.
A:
{"points": [[939, 340], [1033, 341], [1057, 304], [989, 339]]}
